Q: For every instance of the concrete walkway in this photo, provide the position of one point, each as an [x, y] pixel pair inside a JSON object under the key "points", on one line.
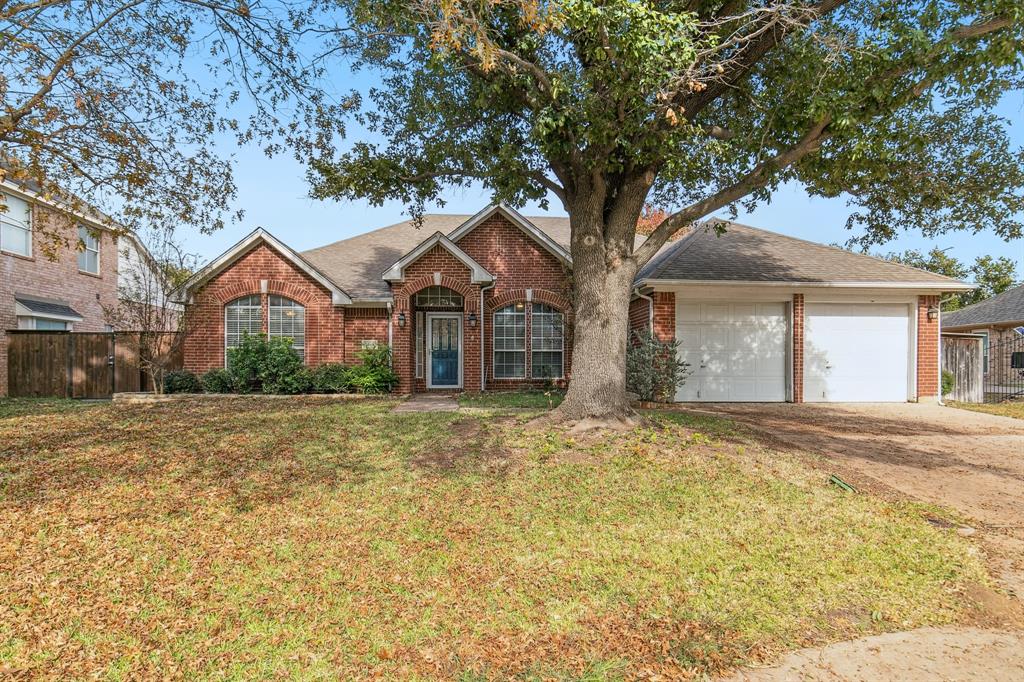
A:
{"points": [[429, 402]]}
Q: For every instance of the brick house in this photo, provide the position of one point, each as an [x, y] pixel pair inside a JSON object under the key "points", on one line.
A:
{"points": [[484, 302], [63, 291], [1000, 322]]}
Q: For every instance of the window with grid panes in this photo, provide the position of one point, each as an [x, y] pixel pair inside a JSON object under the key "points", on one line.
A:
{"points": [[510, 342], [287, 319], [547, 343], [241, 316]]}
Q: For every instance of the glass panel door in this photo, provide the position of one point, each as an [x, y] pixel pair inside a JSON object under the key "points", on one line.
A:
{"points": [[444, 351]]}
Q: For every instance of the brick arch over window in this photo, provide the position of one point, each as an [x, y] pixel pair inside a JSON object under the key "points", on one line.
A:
{"points": [[539, 296], [420, 283]]}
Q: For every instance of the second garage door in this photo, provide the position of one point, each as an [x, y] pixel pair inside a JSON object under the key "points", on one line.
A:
{"points": [[736, 351], [856, 352]]}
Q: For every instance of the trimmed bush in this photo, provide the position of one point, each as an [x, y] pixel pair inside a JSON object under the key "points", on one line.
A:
{"points": [[264, 365], [331, 377], [181, 381], [948, 382], [218, 381], [373, 374], [653, 368]]}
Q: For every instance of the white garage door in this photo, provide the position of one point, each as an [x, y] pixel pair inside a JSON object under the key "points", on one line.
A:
{"points": [[856, 352], [736, 351]]}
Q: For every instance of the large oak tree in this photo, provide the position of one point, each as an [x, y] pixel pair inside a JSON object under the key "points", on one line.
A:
{"points": [[696, 104]]}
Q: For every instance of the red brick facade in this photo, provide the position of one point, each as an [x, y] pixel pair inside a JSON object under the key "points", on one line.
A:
{"points": [[522, 269], [927, 349], [59, 279], [263, 271]]}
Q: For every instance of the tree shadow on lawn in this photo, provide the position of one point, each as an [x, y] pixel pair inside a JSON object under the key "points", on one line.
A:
{"points": [[176, 457]]}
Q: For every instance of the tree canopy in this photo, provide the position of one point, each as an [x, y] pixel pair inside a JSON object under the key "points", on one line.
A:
{"points": [[704, 103], [116, 104], [992, 274]]}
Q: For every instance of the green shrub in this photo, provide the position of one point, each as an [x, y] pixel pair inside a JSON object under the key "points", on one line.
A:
{"points": [[948, 382], [181, 381], [331, 377], [653, 368], [373, 374], [270, 366], [218, 381]]}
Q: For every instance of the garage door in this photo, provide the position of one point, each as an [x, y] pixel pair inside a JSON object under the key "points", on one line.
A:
{"points": [[856, 352], [736, 351]]}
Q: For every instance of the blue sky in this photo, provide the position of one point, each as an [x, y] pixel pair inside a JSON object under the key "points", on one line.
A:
{"points": [[274, 194]]}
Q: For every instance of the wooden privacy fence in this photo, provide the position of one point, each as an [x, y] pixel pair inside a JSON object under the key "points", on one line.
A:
{"points": [[962, 356], [76, 364]]}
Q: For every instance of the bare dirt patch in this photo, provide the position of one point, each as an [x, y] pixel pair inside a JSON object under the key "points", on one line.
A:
{"points": [[916, 656]]}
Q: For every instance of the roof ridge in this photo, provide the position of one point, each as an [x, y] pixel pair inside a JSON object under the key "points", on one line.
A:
{"points": [[840, 249]]}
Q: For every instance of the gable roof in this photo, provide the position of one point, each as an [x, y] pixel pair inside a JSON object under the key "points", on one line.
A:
{"points": [[1007, 307], [248, 243], [744, 254], [513, 216], [357, 264], [478, 274]]}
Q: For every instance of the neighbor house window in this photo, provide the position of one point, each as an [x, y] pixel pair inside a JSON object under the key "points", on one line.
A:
{"points": [[438, 297], [89, 258], [287, 319], [242, 316], [16, 226], [1017, 360], [43, 324], [546, 342], [510, 342]]}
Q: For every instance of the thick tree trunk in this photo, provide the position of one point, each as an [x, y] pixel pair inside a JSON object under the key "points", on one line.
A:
{"points": [[602, 285], [598, 385]]}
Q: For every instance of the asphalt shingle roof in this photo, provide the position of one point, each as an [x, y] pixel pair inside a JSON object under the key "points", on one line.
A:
{"points": [[357, 264], [44, 308], [1006, 307], [744, 253]]}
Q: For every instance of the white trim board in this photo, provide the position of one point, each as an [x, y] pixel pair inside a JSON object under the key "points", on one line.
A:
{"points": [[513, 216], [250, 241], [396, 273]]}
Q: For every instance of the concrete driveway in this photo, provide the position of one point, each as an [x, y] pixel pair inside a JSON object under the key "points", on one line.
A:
{"points": [[969, 461]]}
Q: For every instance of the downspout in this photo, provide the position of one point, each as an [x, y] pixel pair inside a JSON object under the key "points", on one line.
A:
{"points": [[939, 363], [650, 309], [483, 337]]}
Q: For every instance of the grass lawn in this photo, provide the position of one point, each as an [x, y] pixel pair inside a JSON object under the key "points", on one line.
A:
{"points": [[318, 539], [1008, 408], [504, 399]]}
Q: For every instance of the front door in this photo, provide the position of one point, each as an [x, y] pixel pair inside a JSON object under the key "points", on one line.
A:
{"points": [[444, 339]]}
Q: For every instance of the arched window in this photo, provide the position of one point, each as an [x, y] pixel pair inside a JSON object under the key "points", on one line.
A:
{"points": [[510, 342], [287, 319], [241, 316], [437, 297], [547, 343]]}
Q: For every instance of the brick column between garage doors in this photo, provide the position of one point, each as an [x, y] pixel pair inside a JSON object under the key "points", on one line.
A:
{"points": [[798, 348]]}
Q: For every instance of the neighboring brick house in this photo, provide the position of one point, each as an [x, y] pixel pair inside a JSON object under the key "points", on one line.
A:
{"points": [[43, 290], [484, 302], [1000, 322]]}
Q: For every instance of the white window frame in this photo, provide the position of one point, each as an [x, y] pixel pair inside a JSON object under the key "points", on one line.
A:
{"points": [[32, 322], [226, 307], [551, 312], [7, 221], [85, 235], [494, 341], [271, 334]]}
